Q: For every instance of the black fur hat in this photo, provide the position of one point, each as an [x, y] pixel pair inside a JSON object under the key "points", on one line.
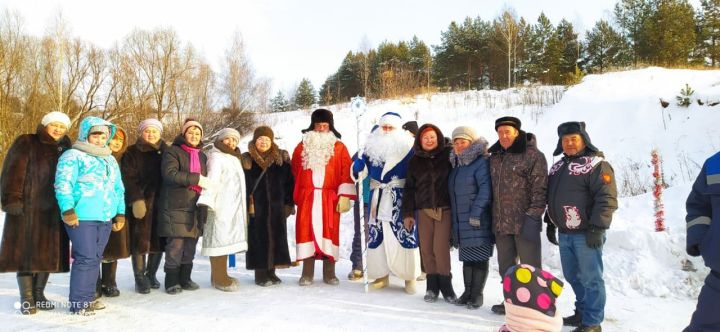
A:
{"points": [[573, 127], [322, 115], [508, 121]]}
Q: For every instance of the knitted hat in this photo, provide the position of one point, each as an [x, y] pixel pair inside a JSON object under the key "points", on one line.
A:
{"points": [[573, 127], [411, 126], [508, 121], [99, 129], [263, 131], [55, 117], [322, 115], [151, 122], [227, 132], [191, 123], [391, 119], [464, 132], [527, 286]]}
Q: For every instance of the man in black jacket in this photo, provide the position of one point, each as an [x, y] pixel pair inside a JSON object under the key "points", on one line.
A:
{"points": [[582, 196]]}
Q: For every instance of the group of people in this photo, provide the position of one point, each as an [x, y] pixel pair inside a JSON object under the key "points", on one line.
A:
{"points": [[430, 193], [426, 193], [150, 199]]}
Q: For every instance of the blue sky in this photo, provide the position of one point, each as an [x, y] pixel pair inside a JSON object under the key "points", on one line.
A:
{"points": [[288, 40]]}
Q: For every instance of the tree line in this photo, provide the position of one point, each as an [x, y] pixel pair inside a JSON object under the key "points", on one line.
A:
{"points": [[510, 50], [150, 73]]}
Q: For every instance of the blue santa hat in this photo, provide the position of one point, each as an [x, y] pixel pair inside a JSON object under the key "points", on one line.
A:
{"points": [[391, 119]]}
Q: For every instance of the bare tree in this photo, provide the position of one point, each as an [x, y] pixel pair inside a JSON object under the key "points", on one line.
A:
{"points": [[507, 27]]}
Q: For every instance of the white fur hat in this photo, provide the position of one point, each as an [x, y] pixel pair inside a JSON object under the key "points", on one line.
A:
{"points": [[55, 116]]}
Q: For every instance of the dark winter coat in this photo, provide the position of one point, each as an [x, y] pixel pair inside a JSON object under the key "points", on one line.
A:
{"points": [[273, 195], [519, 182], [36, 240], [117, 246], [177, 215], [426, 185], [471, 195], [703, 215], [582, 193], [142, 178]]}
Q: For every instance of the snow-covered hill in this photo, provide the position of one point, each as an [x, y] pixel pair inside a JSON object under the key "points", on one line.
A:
{"points": [[647, 289]]}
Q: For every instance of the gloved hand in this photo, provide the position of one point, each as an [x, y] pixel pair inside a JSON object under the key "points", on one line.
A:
{"points": [[202, 215], [531, 227], [453, 243], [343, 204], [594, 237], [118, 223], [551, 232], [289, 210], [205, 182], [474, 222], [139, 209], [14, 209], [408, 222], [693, 250], [70, 218]]}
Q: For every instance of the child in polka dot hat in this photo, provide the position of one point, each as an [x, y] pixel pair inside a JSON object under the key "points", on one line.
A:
{"points": [[530, 296]]}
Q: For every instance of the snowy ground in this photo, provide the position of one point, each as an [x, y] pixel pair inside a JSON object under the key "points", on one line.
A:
{"points": [[647, 290]]}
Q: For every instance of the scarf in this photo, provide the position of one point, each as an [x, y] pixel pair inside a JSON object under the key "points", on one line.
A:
{"points": [[194, 164], [92, 149], [267, 158]]}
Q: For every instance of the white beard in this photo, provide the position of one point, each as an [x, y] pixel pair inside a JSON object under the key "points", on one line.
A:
{"points": [[381, 147], [318, 148]]}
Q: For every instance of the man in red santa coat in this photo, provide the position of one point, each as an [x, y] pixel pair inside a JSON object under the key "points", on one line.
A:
{"points": [[323, 190]]}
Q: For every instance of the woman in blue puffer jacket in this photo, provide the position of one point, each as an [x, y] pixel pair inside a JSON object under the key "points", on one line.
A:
{"points": [[90, 194], [470, 198]]}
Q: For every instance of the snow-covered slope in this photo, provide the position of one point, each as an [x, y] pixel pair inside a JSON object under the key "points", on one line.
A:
{"points": [[647, 289]]}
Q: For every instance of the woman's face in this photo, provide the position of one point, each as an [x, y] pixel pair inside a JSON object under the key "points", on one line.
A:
{"points": [[231, 142], [428, 140], [460, 144], [98, 139], [151, 135], [263, 143], [116, 143], [56, 130], [193, 136]]}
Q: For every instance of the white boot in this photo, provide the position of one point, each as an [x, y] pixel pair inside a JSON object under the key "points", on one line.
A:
{"points": [[410, 287]]}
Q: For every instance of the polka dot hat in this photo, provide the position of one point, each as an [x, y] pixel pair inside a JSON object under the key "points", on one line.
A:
{"points": [[527, 286]]}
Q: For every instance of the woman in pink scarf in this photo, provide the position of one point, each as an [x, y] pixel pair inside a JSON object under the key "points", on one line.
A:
{"points": [[180, 221]]}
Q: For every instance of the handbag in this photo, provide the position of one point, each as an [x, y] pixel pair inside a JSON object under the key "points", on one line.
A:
{"points": [[251, 203]]}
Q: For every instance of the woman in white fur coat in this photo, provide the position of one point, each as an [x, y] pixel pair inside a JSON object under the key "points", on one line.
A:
{"points": [[226, 230]]}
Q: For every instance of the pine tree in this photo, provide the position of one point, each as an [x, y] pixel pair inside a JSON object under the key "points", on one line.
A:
{"points": [[631, 16], [571, 50], [709, 31], [541, 63], [669, 34], [606, 48], [279, 103], [305, 94]]}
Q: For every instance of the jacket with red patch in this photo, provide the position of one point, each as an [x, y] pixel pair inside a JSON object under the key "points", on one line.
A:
{"points": [[581, 193]]}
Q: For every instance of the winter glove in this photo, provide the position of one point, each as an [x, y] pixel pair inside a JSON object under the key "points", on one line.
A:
{"points": [[205, 182], [474, 222], [693, 250], [202, 214], [551, 233], [70, 218], [408, 222], [343, 204], [453, 243], [118, 223], [14, 209], [594, 237], [530, 230], [289, 210], [139, 209]]}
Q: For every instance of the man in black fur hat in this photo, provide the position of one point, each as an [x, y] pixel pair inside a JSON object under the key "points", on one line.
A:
{"points": [[518, 171], [582, 196], [323, 190]]}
